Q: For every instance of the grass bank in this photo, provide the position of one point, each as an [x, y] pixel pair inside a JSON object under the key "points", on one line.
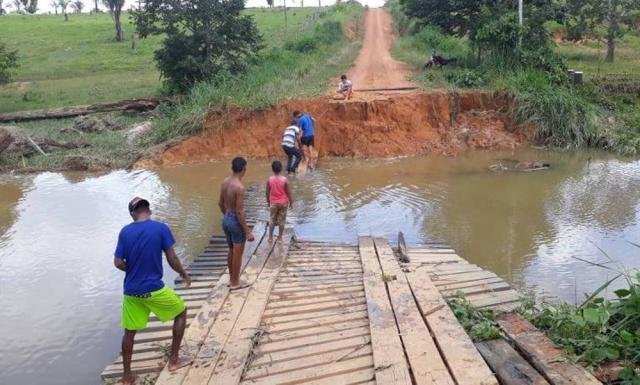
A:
{"points": [[603, 112], [298, 61], [302, 67], [78, 62]]}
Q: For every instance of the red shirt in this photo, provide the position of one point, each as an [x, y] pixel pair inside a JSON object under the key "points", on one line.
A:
{"points": [[278, 190]]}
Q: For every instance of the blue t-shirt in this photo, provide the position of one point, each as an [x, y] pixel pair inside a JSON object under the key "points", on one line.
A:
{"points": [[140, 245], [306, 125]]}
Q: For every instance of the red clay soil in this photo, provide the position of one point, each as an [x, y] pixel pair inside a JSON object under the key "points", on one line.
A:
{"points": [[407, 124]]}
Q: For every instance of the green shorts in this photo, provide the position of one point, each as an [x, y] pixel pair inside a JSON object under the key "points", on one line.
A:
{"points": [[164, 303]]}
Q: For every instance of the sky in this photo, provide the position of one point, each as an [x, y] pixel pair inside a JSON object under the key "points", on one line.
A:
{"points": [[43, 5]]}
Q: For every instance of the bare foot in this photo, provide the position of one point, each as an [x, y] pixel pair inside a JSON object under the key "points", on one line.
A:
{"points": [[128, 380], [270, 239], [280, 240], [181, 362], [241, 285]]}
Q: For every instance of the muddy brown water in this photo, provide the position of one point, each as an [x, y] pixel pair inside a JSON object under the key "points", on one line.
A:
{"points": [[60, 293]]}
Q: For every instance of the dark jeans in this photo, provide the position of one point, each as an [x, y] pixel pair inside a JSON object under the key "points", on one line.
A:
{"points": [[292, 152]]}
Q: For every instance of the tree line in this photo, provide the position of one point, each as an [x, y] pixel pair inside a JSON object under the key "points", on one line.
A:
{"points": [[493, 25]]}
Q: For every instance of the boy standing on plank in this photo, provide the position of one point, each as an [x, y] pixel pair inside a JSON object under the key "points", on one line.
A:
{"points": [[139, 255], [234, 222], [279, 198]]}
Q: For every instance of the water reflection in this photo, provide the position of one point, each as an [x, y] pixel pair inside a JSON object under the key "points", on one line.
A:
{"points": [[57, 234]]}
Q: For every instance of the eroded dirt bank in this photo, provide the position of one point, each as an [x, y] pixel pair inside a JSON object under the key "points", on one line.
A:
{"points": [[402, 124]]}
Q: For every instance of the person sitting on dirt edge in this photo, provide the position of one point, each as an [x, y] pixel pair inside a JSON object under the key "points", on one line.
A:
{"points": [[139, 254], [345, 88], [234, 224], [306, 124]]}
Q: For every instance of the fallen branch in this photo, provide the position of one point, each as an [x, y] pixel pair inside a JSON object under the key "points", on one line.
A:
{"points": [[35, 145], [138, 105]]}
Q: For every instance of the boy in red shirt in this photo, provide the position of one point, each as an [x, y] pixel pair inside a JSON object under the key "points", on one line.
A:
{"points": [[279, 198]]}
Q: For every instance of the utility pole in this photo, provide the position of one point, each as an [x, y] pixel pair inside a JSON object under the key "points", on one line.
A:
{"points": [[520, 12], [520, 19]]}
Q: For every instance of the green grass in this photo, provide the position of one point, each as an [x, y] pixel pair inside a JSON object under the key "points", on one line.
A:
{"points": [[589, 56], [78, 62]]}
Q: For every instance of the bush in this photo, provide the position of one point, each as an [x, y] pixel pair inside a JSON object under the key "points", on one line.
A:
{"points": [[304, 44], [328, 32], [8, 62], [563, 116], [466, 78]]}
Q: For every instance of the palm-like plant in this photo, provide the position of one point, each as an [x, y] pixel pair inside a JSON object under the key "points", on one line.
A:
{"points": [[63, 4], [77, 6]]}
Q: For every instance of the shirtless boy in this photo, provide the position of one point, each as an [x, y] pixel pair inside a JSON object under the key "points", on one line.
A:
{"points": [[234, 222]]}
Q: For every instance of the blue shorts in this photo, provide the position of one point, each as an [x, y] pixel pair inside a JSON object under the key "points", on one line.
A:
{"points": [[232, 229]]}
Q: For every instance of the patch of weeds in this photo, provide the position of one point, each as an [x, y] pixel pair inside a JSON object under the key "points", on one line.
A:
{"points": [[478, 323], [604, 328]]}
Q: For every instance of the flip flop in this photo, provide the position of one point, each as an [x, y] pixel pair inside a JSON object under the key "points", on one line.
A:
{"points": [[242, 285]]}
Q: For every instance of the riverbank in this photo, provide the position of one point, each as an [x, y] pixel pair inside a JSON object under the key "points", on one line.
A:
{"points": [[293, 65], [370, 126]]}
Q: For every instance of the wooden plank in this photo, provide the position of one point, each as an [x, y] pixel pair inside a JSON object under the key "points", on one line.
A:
{"points": [[324, 305], [310, 351], [237, 349], [542, 353], [508, 365], [315, 330], [313, 322], [388, 355], [424, 359], [478, 289], [317, 372], [493, 299], [313, 315], [305, 362], [295, 304], [313, 339], [202, 368], [194, 336], [464, 361]]}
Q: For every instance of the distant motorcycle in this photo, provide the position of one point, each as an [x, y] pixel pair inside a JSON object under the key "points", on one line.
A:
{"points": [[438, 61]]}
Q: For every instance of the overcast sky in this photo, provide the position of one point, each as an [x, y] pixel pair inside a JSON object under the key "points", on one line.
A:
{"points": [[43, 5]]}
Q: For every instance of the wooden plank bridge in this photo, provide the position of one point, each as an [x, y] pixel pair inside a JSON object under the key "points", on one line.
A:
{"points": [[328, 313]]}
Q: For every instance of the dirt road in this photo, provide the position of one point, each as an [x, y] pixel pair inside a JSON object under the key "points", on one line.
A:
{"points": [[374, 67]]}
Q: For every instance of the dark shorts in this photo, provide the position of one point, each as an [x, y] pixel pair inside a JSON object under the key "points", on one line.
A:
{"points": [[232, 229], [308, 141]]}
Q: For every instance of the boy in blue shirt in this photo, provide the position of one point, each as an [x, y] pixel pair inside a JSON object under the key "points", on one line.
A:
{"points": [[139, 255], [306, 124]]}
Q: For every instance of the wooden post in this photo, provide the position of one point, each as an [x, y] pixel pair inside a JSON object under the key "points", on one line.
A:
{"points": [[578, 77]]}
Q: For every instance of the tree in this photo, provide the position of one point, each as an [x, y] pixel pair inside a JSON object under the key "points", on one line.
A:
{"points": [[585, 16], [205, 39], [95, 7], [30, 6], [8, 61], [63, 4], [54, 5], [77, 6], [115, 9], [18, 5], [270, 3], [2, 11]]}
